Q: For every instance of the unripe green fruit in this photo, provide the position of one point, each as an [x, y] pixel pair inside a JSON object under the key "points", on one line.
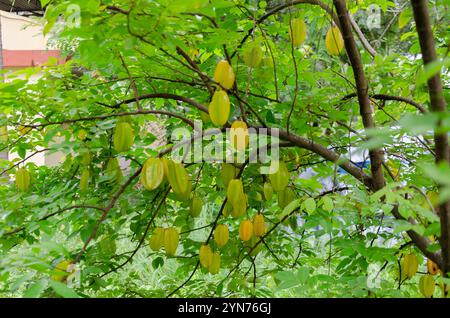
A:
{"points": [[23, 179], [123, 137], [196, 206]]}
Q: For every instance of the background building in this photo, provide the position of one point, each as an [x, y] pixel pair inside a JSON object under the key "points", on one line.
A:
{"points": [[22, 45]]}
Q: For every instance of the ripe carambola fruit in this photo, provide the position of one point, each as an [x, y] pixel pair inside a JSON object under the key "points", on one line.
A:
{"points": [[409, 265], [432, 267], [196, 206], [152, 174], [179, 179], [253, 55], [280, 178], [268, 191], [334, 41], [123, 137], [84, 180], [246, 230], [214, 266], [23, 179], [297, 32], [62, 270], [205, 255], [113, 170], [285, 197], [221, 235], [228, 173], [427, 285], [224, 74], [235, 191], [259, 225], [157, 239], [219, 108], [171, 240], [239, 135]]}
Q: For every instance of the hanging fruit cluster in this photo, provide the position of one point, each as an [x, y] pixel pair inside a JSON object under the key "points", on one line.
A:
{"points": [[156, 170], [432, 267], [224, 74], [63, 271], [84, 180], [196, 206], [221, 235], [427, 285], [178, 179], [23, 179], [409, 266], [123, 137], [253, 55], [219, 107], [279, 181], [236, 198], [152, 174], [167, 238], [209, 259], [239, 135], [334, 41], [297, 31]]}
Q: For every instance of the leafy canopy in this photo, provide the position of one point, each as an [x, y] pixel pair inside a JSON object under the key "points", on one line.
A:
{"points": [[327, 236]]}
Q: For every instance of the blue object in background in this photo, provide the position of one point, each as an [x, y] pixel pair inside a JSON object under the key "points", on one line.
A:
{"points": [[361, 165]]}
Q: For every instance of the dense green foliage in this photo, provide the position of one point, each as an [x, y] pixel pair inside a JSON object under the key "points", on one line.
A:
{"points": [[340, 240]]}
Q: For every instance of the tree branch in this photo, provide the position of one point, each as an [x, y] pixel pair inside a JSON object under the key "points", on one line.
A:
{"points": [[438, 105], [144, 235], [165, 96], [82, 206], [390, 97], [329, 155], [365, 109], [100, 117], [105, 213]]}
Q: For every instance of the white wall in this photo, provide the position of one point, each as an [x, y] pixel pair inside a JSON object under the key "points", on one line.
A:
{"points": [[21, 33]]}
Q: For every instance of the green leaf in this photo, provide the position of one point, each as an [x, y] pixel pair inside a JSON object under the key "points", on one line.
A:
{"points": [[431, 69], [62, 290], [35, 289], [289, 208], [287, 280], [309, 205], [404, 17], [327, 204], [157, 262], [419, 124]]}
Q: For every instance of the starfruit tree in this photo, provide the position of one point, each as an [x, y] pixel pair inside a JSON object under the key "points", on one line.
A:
{"points": [[358, 206]]}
